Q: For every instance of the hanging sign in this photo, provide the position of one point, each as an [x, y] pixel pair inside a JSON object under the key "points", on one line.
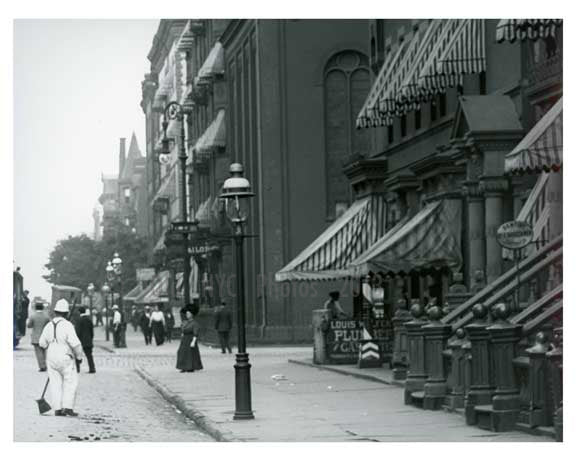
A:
{"points": [[514, 235]]}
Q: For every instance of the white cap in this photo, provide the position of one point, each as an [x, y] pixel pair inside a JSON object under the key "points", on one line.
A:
{"points": [[114, 306], [62, 306]]}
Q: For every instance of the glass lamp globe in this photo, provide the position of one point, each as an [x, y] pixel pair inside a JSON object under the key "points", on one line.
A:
{"points": [[236, 191], [164, 159]]}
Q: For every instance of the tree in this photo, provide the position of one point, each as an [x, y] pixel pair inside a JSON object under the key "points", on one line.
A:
{"points": [[79, 260], [73, 262]]}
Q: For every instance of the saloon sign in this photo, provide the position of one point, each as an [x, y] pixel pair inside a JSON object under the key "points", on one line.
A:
{"points": [[514, 235]]}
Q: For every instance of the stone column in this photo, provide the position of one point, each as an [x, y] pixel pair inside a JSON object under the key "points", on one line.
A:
{"points": [[476, 231], [416, 377], [480, 391], [455, 398], [321, 325], [493, 188], [436, 335], [503, 339], [400, 351]]}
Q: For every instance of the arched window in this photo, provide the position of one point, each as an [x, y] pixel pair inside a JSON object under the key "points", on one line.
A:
{"points": [[346, 86]]}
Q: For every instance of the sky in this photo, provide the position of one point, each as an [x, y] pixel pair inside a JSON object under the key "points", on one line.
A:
{"points": [[76, 92]]}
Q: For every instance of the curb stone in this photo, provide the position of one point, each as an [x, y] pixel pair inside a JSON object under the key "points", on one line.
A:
{"points": [[347, 373], [201, 420]]}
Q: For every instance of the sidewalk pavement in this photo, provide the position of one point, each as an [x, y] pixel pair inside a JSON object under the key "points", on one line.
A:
{"points": [[296, 403]]}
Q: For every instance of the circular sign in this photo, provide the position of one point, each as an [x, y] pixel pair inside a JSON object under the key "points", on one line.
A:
{"points": [[514, 234]]}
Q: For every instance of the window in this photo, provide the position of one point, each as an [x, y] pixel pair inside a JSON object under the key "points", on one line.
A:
{"points": [[433, 113], [346, 85], [442, 104], [390, 134], [418, 119], [403, 126]]}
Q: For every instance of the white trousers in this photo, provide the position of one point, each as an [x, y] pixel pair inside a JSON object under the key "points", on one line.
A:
{"points": [[63, 382]]}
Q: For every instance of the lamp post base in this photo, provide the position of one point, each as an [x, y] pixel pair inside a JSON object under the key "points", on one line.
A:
{"points": [[243, 390]]}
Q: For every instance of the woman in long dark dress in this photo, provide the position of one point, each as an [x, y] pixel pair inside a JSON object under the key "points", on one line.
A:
{"points": [[188, 358]]}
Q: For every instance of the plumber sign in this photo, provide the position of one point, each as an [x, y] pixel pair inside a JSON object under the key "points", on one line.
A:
{"points": [[342, 342]]}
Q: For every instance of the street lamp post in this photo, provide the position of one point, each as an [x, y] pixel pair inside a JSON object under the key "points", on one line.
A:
{"points": [[106, 290], [117, 270], [110, 277], [175, 111], [236, 191]]}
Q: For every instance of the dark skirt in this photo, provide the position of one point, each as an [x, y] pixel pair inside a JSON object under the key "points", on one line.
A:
{"points": [[188, 358], [158, 330]]}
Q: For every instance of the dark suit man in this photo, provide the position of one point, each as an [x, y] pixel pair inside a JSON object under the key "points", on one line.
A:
{"points": [[85, 331], [223, 325]]}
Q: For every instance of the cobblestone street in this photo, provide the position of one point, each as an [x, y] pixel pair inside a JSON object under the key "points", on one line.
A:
{"points": [[114, 404]]}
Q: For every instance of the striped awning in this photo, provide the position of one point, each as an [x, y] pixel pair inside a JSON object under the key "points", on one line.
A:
{"points": [[437, 56], [431, 238], [461, 50], [168, 187], [213, 65], [541, 148], [369, 115], [214, 137], [511, 30], [156, 292], [193, 281], [329, 256], [203, 214]]}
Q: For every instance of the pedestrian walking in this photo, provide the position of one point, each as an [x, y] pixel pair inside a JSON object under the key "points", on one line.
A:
{"points": [[223, 325], [23, 314], [37, 322], [145, 325], [134, 318], [85, 332], [116, 325], [158, 325], [63, 351], [188, 358], [170, 322]]}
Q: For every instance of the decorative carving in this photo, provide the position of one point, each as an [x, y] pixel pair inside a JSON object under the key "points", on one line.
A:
{"points": [[479, 281], [494, 185]]}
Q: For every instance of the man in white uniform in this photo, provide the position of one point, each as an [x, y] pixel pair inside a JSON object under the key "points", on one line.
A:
{"points": [[63, 350]]}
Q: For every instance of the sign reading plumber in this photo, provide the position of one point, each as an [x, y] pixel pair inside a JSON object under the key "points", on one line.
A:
{"points": [[514, 235], [342, 341]]}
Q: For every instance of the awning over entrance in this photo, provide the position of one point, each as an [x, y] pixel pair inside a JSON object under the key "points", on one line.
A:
{"points": [[214, 137], [431, 238], [521, 29], [541, 149], [156, 292], [437, 56], [329, 256]]}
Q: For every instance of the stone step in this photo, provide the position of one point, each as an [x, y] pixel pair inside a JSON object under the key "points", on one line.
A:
{"points": [[418, 399]]}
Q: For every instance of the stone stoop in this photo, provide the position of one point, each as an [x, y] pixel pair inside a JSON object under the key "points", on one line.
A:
{"points": [[494, 420]]}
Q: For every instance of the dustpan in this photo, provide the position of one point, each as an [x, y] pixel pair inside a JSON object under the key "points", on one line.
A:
{"points": [[43, 406]]}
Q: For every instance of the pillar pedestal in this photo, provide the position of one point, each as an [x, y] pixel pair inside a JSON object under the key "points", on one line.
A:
{"points": [[455, 398], [436, 336], [416, 377], [400, 351], [506, 400], [480, 390]]}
